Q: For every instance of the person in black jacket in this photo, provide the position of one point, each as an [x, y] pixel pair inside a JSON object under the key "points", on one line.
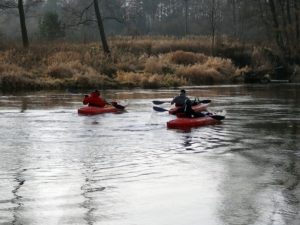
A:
{"points": [[185, 105]]}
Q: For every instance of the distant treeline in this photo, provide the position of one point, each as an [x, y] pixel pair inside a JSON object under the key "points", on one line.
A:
{"points": [[260, 21]]}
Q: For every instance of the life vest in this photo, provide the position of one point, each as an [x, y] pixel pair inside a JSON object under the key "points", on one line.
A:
{"points": [[94, 100]]}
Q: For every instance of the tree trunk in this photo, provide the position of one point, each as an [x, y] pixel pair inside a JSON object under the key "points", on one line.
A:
{"points": [[297, 20], [213, 26], [265, 19], [234, 18], [288, 11], [186, 16], [284, 23], [278, 34], [101, 28], [23, 24]]}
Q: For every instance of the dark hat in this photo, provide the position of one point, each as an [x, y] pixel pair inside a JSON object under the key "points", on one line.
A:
{"points": [[182, 91], [97, 92]]}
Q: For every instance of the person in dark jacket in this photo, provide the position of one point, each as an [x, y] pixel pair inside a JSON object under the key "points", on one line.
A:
{"points": [[185, 105], [180, 99], [94, 99]]}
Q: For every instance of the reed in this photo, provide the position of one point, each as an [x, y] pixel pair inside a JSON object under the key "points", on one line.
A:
{"points": [[149, 62]]}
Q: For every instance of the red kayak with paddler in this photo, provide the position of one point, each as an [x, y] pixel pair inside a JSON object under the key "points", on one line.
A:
{"points": [[98, 105]]}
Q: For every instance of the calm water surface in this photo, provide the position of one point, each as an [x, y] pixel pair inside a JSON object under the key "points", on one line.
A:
{"points": [[57, 167]]}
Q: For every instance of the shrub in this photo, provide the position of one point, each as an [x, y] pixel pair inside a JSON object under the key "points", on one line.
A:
{"points": [[15, 82], [93, 81], [69, 69], [59, 71], [187, 58], [173, 81], [25, 58], [147, 80], [199, 74], [263, 59], [63, 57], [153, 65], [223, 66], [108, 69]]}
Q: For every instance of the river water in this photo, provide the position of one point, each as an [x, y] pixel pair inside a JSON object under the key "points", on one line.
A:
{"points": [[57, 167]]}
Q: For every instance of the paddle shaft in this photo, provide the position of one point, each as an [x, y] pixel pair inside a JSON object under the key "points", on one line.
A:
{"points": [[216, 117], [157, 102]]}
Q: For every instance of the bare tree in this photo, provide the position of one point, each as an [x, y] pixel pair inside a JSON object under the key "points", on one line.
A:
{"points": [[296, 7], [186, 4], [79, 13], [101, 28], [23, 24], [213, 24], [12, 4]]}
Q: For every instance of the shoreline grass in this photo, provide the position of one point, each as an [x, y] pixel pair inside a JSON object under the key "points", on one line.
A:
{"points": [[146, 62]]}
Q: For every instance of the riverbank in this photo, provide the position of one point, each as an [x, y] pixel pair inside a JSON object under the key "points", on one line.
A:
{"points": [[134, 62]]}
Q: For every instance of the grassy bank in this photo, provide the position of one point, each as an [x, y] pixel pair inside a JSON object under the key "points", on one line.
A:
{"points": [[135, 62]]}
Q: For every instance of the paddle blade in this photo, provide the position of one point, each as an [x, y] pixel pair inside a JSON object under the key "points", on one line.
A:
{"points": [[117, 106], [159, 109], [205, 101], [156, 102], [218, 117]]}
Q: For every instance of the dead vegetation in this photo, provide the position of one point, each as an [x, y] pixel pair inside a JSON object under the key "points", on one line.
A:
{"points": [[144, 62]]}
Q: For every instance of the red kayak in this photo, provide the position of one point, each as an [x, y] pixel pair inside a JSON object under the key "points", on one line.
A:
{"points": [[186, 123], [197, 108], [92, 110]]}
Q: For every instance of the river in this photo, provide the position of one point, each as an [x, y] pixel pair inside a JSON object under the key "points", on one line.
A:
{"points": [[57, 167]]}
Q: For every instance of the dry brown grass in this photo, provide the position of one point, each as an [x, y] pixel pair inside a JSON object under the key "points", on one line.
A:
{"points": [[260, 59], [159, 45], [159, 65], [147, 80], [199, 74], [63, 57], [13, 77], [149, 62], [69, 69], [224, 66], [187, 58], [214, 70]]}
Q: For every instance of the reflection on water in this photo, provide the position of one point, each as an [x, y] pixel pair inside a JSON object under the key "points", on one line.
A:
{"points": [[57, 167]]}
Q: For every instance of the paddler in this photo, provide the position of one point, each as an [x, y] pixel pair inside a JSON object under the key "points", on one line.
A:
{"points": [[185, 105], [94, 99]]}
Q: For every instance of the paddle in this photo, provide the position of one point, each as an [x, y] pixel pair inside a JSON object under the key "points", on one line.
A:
{"points": [[116, 105], [159, 109], [157, 102], [216, 117]]}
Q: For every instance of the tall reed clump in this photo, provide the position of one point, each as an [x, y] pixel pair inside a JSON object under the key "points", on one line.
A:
{"points": [[187, 58], [161, 45], [159, 65], [78, 75], [201, 44], [263, 59], [13, 78], [214, 70], [147, 80]]}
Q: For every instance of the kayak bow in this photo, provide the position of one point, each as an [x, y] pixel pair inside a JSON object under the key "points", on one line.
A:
{"points": [[186, 123], [92, 110]]}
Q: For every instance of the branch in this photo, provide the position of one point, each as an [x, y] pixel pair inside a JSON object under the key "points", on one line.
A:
{"points": [[6, 4], [83, 16], [119, 20]]}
